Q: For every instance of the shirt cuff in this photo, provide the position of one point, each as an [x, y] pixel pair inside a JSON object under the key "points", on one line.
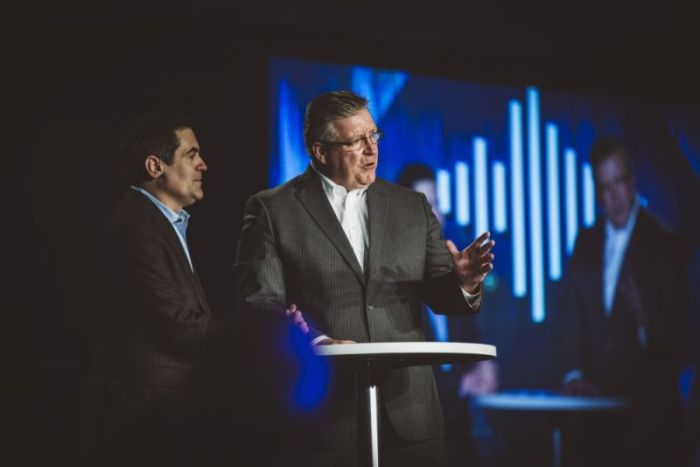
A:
{"points": [[470, 298]]}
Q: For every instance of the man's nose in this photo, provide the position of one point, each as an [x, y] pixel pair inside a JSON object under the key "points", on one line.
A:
{"points": [[371, 148]]}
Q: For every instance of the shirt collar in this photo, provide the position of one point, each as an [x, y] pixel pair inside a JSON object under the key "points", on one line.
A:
{"points": [[333, 189], [171, 215], [629, 226]]}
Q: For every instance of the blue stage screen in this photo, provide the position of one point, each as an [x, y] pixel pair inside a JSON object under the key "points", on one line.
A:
{"points": [[509, 159]]}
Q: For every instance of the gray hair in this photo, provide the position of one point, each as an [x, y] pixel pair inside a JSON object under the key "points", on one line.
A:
{"points": [[326, 108]]}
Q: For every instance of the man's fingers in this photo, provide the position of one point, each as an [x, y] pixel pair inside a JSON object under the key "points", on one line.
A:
{"points": [[452, 248], [330, 341], [290, 311], [486, 247], [485, 258], [480, 240]]}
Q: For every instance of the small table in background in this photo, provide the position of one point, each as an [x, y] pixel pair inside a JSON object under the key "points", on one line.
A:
{"points": [[550, 403]]}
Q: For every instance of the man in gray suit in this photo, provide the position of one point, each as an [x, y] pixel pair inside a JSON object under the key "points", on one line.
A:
{"points": [[357, 255]]}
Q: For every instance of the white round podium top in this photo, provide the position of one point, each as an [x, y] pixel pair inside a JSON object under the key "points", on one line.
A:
{"points": [[549, 402], [417, 353]]}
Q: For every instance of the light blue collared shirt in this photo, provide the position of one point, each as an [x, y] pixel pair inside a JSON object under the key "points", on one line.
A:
{"points": [[178, 220]]}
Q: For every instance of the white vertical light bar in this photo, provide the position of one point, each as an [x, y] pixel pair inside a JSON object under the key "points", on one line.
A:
{"points": [[481, 209], [554, 220], [462, 187], [536, 241], [443, 186], [517, 193], [588, 195], [571, 200], [499, 196]]}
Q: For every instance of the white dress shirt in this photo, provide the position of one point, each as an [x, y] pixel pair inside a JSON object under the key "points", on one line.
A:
{"points": [[615, 246], [350, 208]]}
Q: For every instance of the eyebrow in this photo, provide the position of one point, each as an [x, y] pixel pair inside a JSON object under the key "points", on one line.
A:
{"points": [[364, 135], [193, 150]]}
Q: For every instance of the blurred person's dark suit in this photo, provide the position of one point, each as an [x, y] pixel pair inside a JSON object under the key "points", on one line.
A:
{"points": [[611, 354], [634, 350]]}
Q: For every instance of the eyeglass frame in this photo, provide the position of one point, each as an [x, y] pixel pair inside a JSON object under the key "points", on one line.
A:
{"points": [[367, 139]]}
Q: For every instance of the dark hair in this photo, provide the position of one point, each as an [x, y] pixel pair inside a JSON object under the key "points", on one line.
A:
{"points": [[326, 108], [152, 133], [607, 146], [411, 173]]}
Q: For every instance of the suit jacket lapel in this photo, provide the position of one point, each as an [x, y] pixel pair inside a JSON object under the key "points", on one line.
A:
{"points": [[378, 206], [314, 200], [165, 228], [634, 251]]}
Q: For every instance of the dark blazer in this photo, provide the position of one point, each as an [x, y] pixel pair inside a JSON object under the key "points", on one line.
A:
{"points": [[153, 328], [292, 249], [608, 348], [159, 317]]}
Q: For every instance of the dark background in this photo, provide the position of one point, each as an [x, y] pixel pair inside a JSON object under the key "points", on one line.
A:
{"points": [[74, 74]]}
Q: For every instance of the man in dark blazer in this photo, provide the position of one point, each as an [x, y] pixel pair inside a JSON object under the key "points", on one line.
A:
{"points": [[626, 315], [155, 325], [357, 255]]}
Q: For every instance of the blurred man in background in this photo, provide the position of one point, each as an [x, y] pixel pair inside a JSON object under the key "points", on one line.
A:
{"points": [[626, 314]]}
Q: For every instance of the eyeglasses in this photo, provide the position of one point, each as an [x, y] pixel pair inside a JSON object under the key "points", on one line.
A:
{"points": [[358, 143]]}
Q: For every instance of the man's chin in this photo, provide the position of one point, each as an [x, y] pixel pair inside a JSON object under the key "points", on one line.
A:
{"points": [[368, 179]]}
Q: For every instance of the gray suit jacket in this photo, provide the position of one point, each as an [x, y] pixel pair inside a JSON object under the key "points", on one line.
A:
{"points": [[292, 249]]}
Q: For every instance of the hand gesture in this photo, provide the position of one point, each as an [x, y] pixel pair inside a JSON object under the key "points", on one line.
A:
{"points": [[632, 299], [481, 379], [329, 341], [472, 264]]}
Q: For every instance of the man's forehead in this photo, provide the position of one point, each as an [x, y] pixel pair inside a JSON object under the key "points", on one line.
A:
{"points": [[187, 138], [358, 123]]}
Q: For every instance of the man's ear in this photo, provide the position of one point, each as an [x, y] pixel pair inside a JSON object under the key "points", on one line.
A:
{"points": [[153, 166], [319, 152]]}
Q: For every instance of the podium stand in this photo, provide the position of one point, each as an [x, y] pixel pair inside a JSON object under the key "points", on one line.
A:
{"points": [[366, 359]]}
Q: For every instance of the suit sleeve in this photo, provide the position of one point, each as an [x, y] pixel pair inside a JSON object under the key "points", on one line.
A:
{"points": [[259, 271], [169, 314], [668, 298], [441, 289]]}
